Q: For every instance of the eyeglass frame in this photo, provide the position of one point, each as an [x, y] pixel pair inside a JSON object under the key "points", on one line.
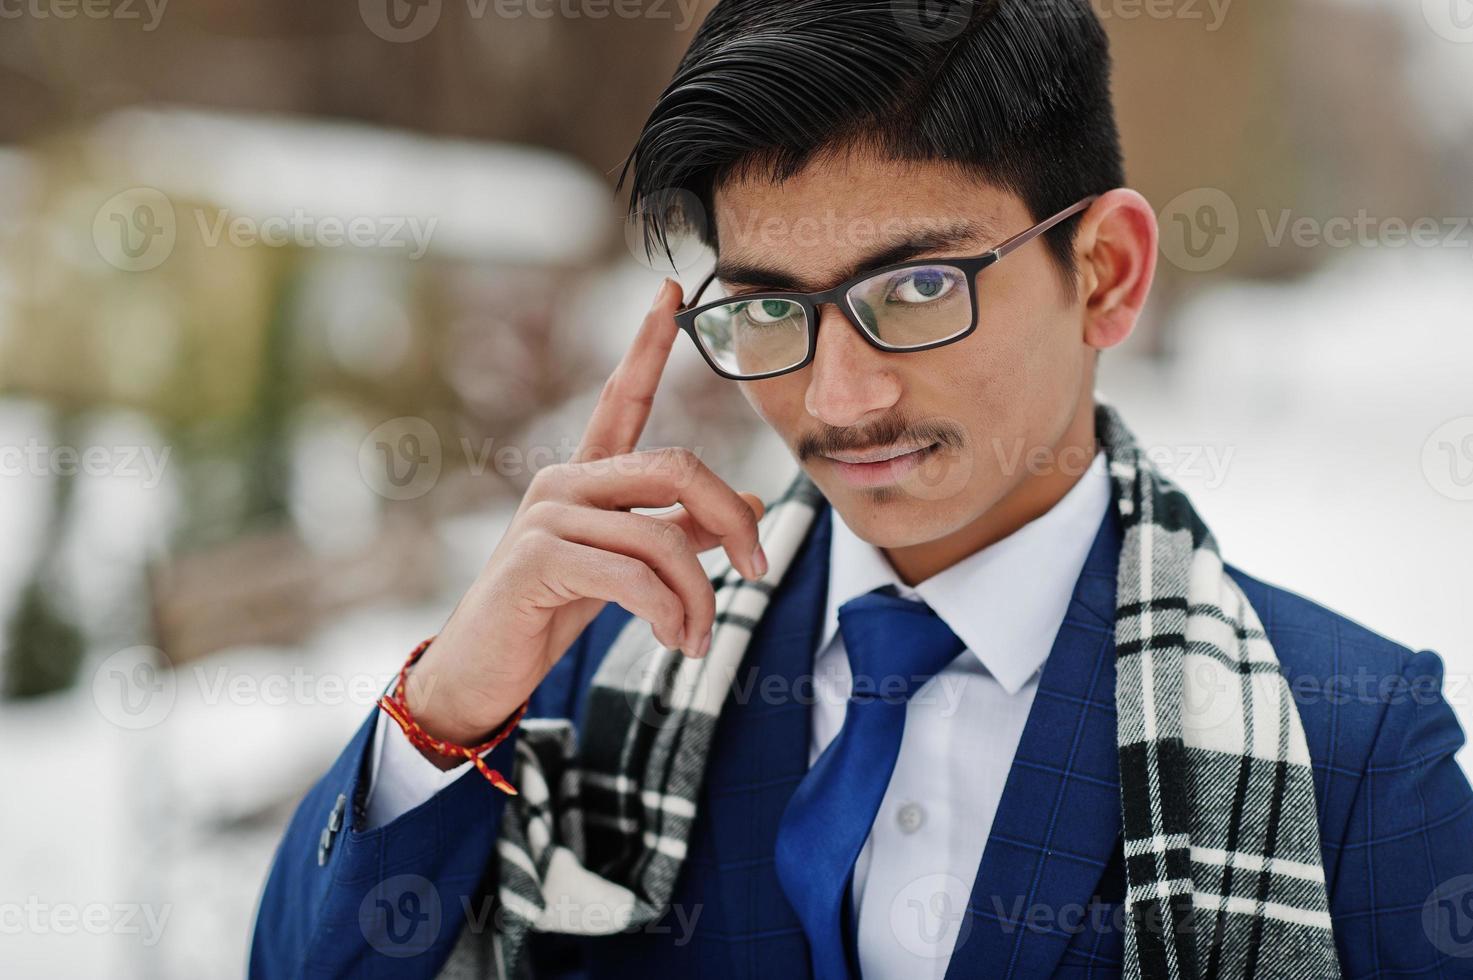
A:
{"points": [[970, 265]]}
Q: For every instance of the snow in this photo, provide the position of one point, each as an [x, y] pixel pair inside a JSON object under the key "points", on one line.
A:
{"points": [[1296, 415]]}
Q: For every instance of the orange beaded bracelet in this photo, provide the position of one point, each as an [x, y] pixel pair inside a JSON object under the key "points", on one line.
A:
{"points": [[398, 709]]}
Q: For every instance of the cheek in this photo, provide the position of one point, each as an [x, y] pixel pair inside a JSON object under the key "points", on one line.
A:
{"points": [[777, 401]]}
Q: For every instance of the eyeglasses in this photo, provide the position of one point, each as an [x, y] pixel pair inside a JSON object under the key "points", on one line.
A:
{"points": [[909, 306]]}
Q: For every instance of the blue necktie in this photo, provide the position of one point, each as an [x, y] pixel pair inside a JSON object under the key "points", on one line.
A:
{"points": [[895, 645]]}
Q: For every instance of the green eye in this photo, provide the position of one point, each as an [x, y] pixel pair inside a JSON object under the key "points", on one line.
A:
{"points": [[767, 311]]}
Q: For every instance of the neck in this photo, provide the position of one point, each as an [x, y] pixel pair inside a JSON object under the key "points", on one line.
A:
{"points": [[1030, 499]]}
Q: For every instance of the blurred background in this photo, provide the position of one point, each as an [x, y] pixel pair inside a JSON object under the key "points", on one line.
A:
{"points": [[295, 298]]}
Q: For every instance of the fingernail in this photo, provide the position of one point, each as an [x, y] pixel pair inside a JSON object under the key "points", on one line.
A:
{"points": [[705, 645], [679, 640], [664, 291], [759, 561]]}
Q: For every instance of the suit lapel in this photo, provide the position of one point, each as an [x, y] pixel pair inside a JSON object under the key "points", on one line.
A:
{"points": [[760, 754], [1058, 821]]}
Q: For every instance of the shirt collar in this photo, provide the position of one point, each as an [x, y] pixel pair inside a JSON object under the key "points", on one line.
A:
{"points": [[1007, 601]]}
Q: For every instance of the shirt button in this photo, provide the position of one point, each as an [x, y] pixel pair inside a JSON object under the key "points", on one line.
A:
{"points": [[910, 817]]}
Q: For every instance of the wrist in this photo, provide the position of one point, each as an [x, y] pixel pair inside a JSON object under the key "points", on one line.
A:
{"points": [[444, 741]]}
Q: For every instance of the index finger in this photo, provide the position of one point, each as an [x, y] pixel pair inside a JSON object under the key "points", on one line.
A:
{"points": [[624, 404]]}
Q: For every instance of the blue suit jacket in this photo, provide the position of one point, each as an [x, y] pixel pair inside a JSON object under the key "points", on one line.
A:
{"points": [[1395, 816]]}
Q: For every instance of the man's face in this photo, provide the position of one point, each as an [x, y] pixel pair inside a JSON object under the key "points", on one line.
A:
{"points": [[909, 447]]}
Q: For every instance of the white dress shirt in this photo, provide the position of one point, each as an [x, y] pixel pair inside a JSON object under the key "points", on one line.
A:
{"points": [[914, 875]]}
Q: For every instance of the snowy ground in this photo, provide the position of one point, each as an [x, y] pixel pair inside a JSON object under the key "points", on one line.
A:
{"points": [[1297, 416]]}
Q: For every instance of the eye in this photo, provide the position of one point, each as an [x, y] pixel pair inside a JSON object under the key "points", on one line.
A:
{"points": [[921, 286], [764, 312]]}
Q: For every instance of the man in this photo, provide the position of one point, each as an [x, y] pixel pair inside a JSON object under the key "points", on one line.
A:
{"points": [[977, 698]]}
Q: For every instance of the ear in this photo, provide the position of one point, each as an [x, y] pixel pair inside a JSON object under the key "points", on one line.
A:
{"points": [[1115, 249]]}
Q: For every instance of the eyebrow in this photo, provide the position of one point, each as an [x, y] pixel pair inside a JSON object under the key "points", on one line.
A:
{"points": [[759, 275]]}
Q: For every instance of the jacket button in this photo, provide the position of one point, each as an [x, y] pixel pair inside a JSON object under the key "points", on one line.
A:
{"points": [[334, 824]]}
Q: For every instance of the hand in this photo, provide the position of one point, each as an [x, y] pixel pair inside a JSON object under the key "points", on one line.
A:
{"points": [[574, 545]]}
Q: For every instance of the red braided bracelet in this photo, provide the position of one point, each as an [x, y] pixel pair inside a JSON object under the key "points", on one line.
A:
{"points": [[398, 709]]}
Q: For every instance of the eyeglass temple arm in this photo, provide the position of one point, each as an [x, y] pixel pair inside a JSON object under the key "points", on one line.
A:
{"points": [[695, 297], [1023, 238]]}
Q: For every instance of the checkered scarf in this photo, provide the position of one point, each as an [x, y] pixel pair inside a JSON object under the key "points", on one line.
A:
{"points": [[1222, 849]]}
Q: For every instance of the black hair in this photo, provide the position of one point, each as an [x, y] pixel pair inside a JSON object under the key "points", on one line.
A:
{"points": [[1016, 92]]}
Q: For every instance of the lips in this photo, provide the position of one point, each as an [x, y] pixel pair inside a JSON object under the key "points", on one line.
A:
{"points": [[879, 467], [875, 455]]}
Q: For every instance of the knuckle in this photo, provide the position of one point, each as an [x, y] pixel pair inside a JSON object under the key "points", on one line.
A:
{"points": [[547, 480], [672, 536], [676, 459], [543, 513], [628, 572]]}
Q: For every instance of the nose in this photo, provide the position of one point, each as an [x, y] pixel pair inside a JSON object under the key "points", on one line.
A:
{"points": [[850, 380]]}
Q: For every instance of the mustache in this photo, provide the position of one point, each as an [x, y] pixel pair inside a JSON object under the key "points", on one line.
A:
{"points": [[887, 431]]}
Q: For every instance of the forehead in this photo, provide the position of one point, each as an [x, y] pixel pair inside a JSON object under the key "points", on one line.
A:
{"points": [[845, 204]]}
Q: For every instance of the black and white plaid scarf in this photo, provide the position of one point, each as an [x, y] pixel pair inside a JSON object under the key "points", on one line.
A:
{"points": [[1221, 841]]}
